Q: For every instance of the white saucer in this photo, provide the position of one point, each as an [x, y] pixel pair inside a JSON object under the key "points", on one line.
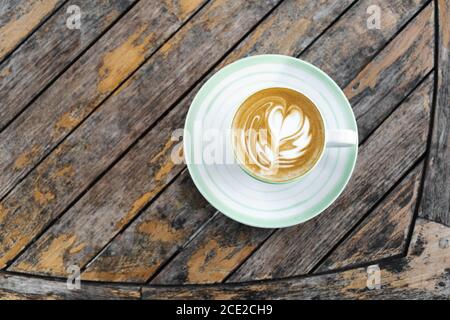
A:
{"points": [[226, 186]]}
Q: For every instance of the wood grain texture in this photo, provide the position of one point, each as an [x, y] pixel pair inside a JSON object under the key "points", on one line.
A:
{"points": [[353, 25], [384, 232], [93, 147], [91, 79], [424, 274], [382, 161], [386, 91], [33, 135], [211, 255], [436, 194], [290, 29], [158, 233], [19, 18], [16, 287], [49, 51], [397, 70], [146, 183], [172, 217]]}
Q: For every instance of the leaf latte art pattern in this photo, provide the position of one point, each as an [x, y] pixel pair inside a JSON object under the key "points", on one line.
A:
{"points": [[275, 133]]}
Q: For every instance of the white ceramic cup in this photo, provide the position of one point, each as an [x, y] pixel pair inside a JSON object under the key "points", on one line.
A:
{"points": [[333, 139]]}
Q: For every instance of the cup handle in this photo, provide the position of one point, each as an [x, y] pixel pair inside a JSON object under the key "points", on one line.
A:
{"points": [[341, 138]]}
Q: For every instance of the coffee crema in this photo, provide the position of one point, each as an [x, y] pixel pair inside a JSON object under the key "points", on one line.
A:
{"points": [[278, 134]]}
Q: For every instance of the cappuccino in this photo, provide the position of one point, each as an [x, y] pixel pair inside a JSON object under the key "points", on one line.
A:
{"points": [[278, 135]]}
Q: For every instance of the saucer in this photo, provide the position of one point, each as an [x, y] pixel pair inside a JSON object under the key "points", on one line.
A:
{"points": [[226, 185]]}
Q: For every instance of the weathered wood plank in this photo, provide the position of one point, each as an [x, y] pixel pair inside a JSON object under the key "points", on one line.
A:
{"points": [[389, 152], [14, 287], [92, 78], [436, 194], [36, 132], [49, 51], [425, 274], [20, 18], [387, 91], [148, 177], [109, 131], [334, 45], [178, 169], [157, 234], [211, 256], [244, 245], [383, 234], [397, 69]]}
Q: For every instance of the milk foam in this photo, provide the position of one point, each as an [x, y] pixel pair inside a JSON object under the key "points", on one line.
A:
{"points": [[275, 134], [280, 134]]}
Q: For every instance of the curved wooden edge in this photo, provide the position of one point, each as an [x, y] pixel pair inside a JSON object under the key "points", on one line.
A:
{"points": [[423, 274], [384, 233], [24, 287], [55, 194], [436, 192], [52, 239]]}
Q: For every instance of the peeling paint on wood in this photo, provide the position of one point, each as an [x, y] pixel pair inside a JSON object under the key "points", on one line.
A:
{"points": [[22, 18], [25, 158], [42, 198], [66, 172], [46, 54], [121, 61], [425, 276], [47, 121], [388, 92], [66, 122], [287, 253], [216, 255], [436, 194], [384, 232], [128, 115]]}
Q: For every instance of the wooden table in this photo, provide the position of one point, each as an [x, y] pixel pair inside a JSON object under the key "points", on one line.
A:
{"points": [[87, 182]]}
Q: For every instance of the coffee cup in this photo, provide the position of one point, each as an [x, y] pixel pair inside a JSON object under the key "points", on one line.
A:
{"points": [[279, 135]]}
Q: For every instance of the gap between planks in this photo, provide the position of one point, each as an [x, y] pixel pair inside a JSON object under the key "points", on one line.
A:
{"points": [[59, 74], [410, 232], [33, 30], [78, 125], [130, 146]]}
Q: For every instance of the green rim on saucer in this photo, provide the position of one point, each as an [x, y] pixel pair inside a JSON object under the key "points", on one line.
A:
{"points": [[238, 195]]}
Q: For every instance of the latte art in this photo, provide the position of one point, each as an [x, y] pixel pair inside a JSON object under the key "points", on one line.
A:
{"points": [[278, 134], [288, 134]]}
